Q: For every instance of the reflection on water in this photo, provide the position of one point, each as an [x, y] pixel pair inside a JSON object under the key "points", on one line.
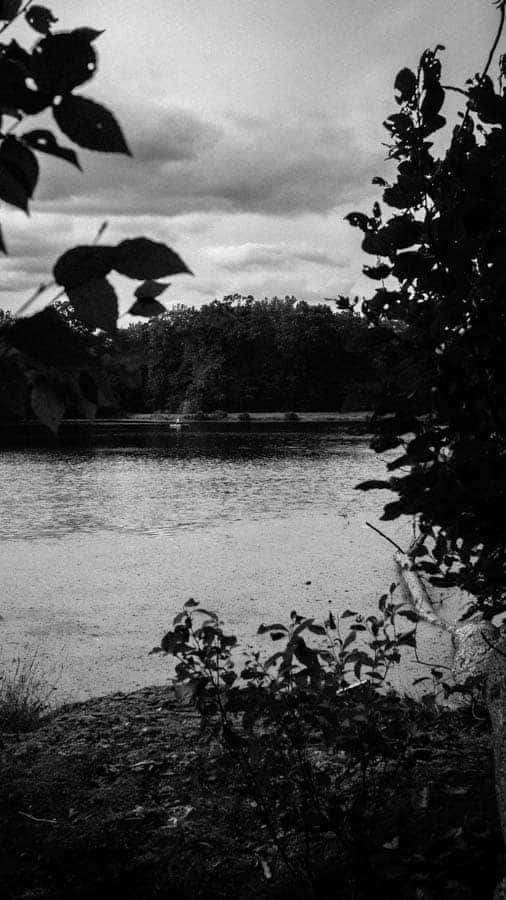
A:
{"points": [[198, 481]]}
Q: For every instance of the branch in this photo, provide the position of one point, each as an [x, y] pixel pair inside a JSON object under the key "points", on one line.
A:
{"points": [[502, 13], [385, 536]]}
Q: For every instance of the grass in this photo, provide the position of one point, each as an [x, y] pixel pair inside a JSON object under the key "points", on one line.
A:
{"points": [[25, 694]]}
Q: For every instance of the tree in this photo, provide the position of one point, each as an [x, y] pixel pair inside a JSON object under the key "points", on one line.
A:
{"points": [[31, 82], [440, 261]]}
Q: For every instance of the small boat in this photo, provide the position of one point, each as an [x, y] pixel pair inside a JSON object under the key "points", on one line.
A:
{"points": [[178, 425]]}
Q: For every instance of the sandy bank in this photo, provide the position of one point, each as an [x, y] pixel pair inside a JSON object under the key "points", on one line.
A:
{"points": [[93, 605]]}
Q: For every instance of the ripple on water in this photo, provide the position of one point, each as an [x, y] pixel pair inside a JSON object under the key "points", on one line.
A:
{"points": [[204, 481]]}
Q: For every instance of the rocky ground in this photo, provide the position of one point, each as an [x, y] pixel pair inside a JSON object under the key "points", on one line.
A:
{"points": [[119, 797]]}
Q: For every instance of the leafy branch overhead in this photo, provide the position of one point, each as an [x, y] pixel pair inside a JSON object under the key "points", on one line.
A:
{"points": [[82, 273], [45, 79]]}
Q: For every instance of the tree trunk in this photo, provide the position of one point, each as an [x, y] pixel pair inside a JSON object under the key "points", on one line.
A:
{"points": [[479, 651]]}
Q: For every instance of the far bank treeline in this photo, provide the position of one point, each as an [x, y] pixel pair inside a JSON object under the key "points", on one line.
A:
{"points": [[237, 354]]}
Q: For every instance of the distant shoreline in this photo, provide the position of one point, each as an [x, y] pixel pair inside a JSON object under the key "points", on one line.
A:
{"points": [[157, 428]]}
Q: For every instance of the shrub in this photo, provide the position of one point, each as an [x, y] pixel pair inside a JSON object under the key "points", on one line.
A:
{"points": [[25, 694]]}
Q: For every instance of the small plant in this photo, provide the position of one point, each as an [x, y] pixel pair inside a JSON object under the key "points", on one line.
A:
{"points": [[291, 417], [25, 695], [313, 730], [244, 417]]}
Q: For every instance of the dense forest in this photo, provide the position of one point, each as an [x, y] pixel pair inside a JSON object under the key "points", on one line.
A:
{"points": [[237, 354], [241, 354]]}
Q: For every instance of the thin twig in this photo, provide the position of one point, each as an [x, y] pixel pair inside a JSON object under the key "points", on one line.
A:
{"points": [[35, 819], [450, 87], [385, 536]]}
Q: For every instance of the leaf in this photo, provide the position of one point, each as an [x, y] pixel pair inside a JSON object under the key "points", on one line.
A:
{"points": [[40, 19], [62, 62], [45, 142], [90, 34], [264, 629], [378, 273], [191, 603], [143, 258], [347, 613], [91, 126], [349, 639], [409, 614], [432, 102], [47, 405], [317, 629], [11, 190], [82, 264], [408, 639], [405, 85], [9, 9], [21, 162], [95, 304], [149, 289], [358, 220], [373, 485], [147, 308]]}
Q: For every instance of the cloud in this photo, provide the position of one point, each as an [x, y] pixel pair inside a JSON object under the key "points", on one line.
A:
{"points": [[244, 257], [187, 165]]}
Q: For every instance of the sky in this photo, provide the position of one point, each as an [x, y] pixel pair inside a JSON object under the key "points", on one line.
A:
{"points": [[255, 128]]}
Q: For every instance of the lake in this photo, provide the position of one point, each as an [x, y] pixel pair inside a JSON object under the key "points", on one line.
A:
{"points": [[100, 548], [196, 482]]}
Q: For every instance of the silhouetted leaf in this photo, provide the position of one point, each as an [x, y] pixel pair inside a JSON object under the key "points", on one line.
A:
{"points": [[45, 142], [21, 162], [47, 405], [40, 19], [143, 258], [405, 85], [62, 62], [9, 9], [95, 304], [373, 485], [82, 264], [409, 614], [91, 126], [378, 273], [358, 220], [11, 190], [149, 289], [147, 308], [408, 639]]}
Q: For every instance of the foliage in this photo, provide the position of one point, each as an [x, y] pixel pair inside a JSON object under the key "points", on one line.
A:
{"points": [[258, 355], [329, 757], [440, 261], [274, 715], [25, 694], [45, 79]]}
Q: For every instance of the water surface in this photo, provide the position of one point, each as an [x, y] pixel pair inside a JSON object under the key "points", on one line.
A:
{"points": [[196, 482]]}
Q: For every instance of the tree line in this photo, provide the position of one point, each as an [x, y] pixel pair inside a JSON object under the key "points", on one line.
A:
{"points": [[240, 354]]}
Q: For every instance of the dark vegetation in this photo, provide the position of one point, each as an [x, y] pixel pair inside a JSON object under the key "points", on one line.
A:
{"points": [[242, 354]]}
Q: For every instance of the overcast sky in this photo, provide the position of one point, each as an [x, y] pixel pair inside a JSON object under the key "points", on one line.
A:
{"points": [[255, 127]]}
